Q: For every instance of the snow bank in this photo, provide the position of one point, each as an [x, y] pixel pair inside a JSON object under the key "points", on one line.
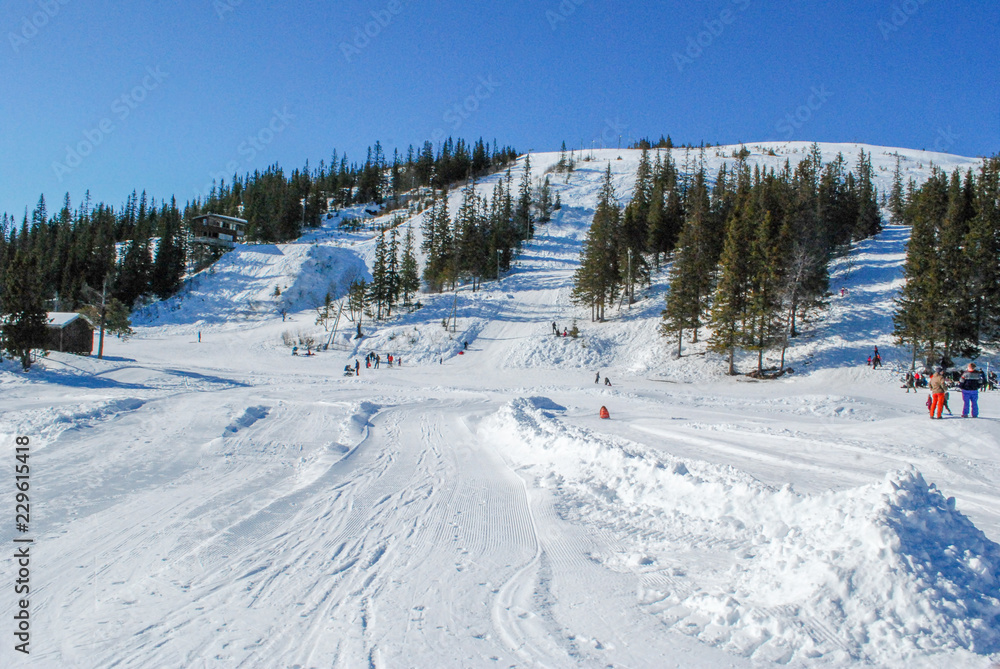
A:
{"points": [[889, 573]]}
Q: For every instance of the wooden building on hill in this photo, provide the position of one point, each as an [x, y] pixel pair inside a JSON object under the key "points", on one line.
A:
{"points": [[218, 230], [69, 332]]}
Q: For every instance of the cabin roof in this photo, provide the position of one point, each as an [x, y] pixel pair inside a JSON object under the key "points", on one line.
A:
{"points": [[61, 319]]}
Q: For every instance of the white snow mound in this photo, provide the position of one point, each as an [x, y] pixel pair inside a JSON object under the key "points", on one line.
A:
{"points": [[889, 573]]}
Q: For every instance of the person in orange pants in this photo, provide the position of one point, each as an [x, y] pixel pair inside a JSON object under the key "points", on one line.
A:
{"points": [[938, 387]]}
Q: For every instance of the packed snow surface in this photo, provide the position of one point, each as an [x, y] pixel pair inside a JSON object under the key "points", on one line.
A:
{"points": [[223, 503]]}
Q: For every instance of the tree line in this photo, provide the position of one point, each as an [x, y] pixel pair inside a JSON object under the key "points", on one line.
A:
{"points": [[950, 303], [277, 206]]}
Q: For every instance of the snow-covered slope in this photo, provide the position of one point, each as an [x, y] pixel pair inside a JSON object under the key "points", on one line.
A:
{"points": [[224, 503]]}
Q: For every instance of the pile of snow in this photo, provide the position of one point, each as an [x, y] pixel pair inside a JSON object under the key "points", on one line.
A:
{"points": [[888, 573]]}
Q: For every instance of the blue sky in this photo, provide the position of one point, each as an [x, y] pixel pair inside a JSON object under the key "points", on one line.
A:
{"points": [[162, 96]]}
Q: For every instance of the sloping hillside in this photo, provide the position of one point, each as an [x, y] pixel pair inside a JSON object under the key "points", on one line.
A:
{"points": [[224, 503]]}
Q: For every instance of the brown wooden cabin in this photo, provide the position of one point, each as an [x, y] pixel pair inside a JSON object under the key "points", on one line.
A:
{"points": [[218, 230], [69, 332]]}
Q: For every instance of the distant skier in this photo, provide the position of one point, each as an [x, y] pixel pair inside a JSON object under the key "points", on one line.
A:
{"points": [[869, 361], [598, 379], [295, 350], [970, 383], [357, 367], [607, 381], [199, 336], [399, 361], [555, 330], [378, 360], [909, 382], [465, 346], [565, 332]]}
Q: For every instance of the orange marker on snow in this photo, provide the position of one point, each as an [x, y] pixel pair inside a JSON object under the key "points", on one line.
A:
{"points": [[604, 413]]}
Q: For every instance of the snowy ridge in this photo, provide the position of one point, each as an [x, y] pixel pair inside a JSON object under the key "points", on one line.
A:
{"points": [[888, 573]]}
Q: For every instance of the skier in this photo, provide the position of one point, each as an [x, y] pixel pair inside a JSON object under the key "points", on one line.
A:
{"points": [[970, 383], [465, 346], [565, 332], [399, 361], [910, 382], [378, 360], [555, 330], [607, 381], [357, 367], [938, 387], [389, 359], [598, 379], [869, 361]]}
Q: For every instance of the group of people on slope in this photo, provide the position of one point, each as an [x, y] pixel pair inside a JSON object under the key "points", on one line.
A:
{"points": [[372, 360], [969, 383], [875, 359]]}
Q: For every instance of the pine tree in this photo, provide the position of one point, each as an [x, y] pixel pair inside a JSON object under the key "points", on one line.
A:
{"points": [[597, 280], [897, 200], [409, 278], [916, 319], [379, 288], [545, 202], [693, 272], [524, 220], [22, 308], [730, 316], [392, 288], [982, 251], [869, 221]]}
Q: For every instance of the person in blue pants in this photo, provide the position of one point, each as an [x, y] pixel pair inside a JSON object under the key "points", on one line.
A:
{"points": [[970, 383]]}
